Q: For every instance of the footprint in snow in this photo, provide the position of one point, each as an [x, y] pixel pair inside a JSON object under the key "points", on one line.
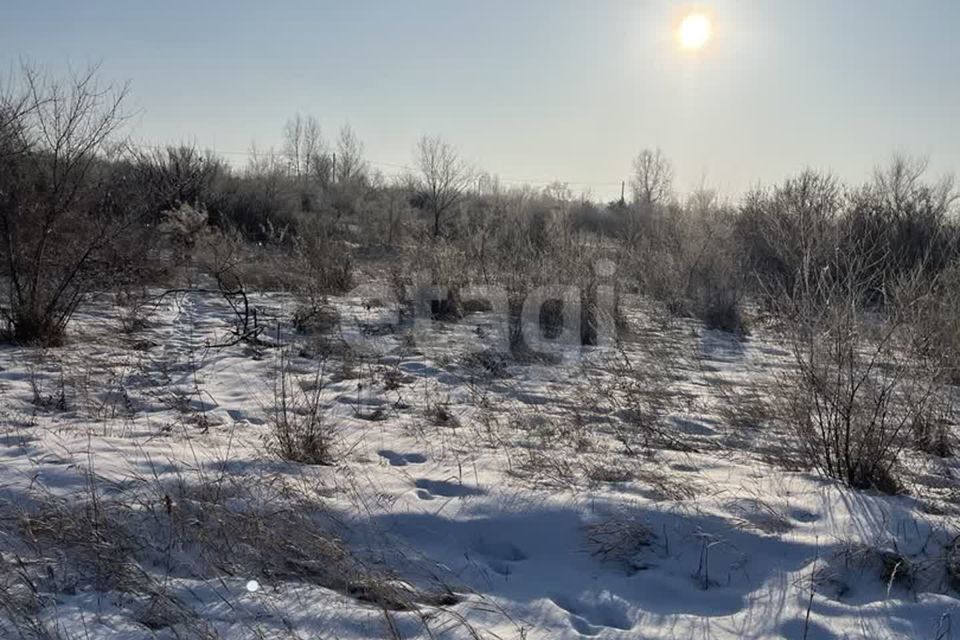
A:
{"points": [[500, 556], [802, 515], [241, 416], [401, 459], [590, 615], [429, 489]]}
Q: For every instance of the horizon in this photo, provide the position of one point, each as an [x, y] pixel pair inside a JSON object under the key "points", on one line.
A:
{"points": [[535, 93]]}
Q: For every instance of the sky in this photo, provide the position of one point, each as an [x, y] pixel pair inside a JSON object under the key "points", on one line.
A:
{"points": [[530, 90]]}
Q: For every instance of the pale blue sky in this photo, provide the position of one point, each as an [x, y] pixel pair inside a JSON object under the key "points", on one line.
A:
{"points": [[532, 89]]}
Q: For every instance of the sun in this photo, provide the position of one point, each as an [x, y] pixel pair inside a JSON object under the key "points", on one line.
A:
{"points": [[694, 31]]}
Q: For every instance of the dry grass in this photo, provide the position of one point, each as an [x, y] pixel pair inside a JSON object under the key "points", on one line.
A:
{"points": [[153, 532], [620, 539], [952, 557], [300, 430]]}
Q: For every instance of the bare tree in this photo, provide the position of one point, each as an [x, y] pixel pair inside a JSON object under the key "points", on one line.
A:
{"points": [[58, 211], [558, 191], [396, 206], [302, 144], [489, 185], [442, 177], [262, 163], [351, 167], [293, 143], [652, 180], [901, 184], [313, 147]]}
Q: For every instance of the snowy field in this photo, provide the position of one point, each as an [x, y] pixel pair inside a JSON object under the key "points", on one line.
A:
{"points": [[638, 492]]}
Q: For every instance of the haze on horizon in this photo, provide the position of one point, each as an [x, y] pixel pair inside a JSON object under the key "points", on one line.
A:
{"points": [[534, 91]]}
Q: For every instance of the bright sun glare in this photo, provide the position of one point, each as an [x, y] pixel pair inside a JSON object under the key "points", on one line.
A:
{"points": [[694, 31]]}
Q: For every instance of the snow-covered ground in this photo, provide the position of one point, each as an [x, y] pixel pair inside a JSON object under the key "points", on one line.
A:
{"points": [[491, 497]]}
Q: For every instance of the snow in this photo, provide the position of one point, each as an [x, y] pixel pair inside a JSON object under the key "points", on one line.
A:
{"points": [[504, 483]]}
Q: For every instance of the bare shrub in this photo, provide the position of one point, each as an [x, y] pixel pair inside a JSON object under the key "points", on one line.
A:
{"points": [[315, 317], [261, 201], [899, 224], [324, 257], [222, 255], [685, 257], [387, 215], [437, 263], [186, 229], [722, 309], [180, 175], [516, 241], [932, 429], [300, 430], [856, 393], [58, 214], [131, 303], [892, 227], [936, 318], [786, 235], [589, 217], [548, 252]]}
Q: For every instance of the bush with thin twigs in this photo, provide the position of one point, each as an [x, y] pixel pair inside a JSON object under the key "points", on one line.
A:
{"points": [[300, 429], [896, 225], [936, 318], [131, 307], [786, 234], [932, 434], [322, 265], [324, 256], [855, 394], [900, 224], [65, 198], [181, 175], [435, 262], [928, 306], [685, 257]]}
